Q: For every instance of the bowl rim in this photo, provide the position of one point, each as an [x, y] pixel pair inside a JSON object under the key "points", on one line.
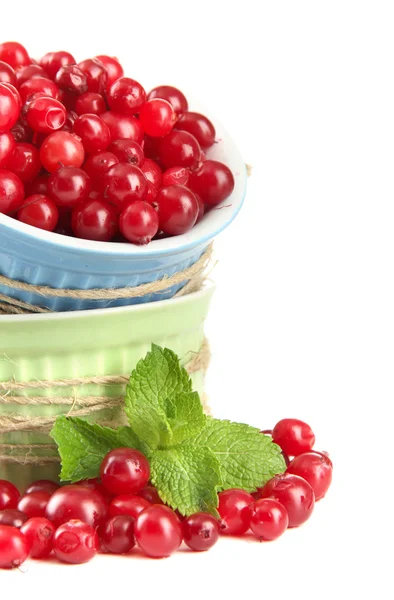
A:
{"points": [[209, 227]]}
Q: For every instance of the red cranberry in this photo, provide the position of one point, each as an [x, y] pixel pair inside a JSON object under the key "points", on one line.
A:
{"points": [[213, 181], [94, 133], [150, 494], [139, 222], [14, 547], [75, 542], [123, 126], [53, 61], [14, 54], [112, 66], [126, 96], [12, 517], [7, 74], [95, 220], [61, 149], [39, 534], [45, 114], [42, 212], [127, 504], [34, 504], [175, 176], [29, 71], [177, 209], [76, 502], [180, 149], [11, 193], [234, 511], [152, 172], [42, 485], [122, 183], [38, 84], [293, 436], [200, 531], [294, 493], [96, 75], [172, 95], [268, 519], [94, 483], [124, 471], [199, 126], [9, 108], [21, 132], [72, 79], [127, 151], [68, 186], [7, 147], [315, 468], [91, 103], [98, 164], [157, 117], [201, 208], [158, 531], [117, 534]]}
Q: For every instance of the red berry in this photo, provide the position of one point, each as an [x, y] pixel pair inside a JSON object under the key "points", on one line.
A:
{"points": [[68, 186], [177, 209], [294, 493], [27, 72], [172, 95], [201, 208], [91, 103], [152, 172], [94, 219], [126, 96], [157, 117], [293, 436], [42, 212], [150, 193], [12, 517], [180, 149], [268, 519], [124, 471], [98, 164], [7, 147], [199, 126], [45, 114], [75, 542], [72, 79], [14, 547], [200, 531], [94, 133], [76, 502], [123, 126], [25, 162], [117, 534], [71, 117], [122, 183], [61, 149], [127, 504], [7, 74], [139, 222], [9, 108], [21, 132], [11, 193], [158, 531], [150, 494], [39, 534], [38, 84], [112, 66], [42, 485], [96, 485], [14, 54], [234, 511], [315, 468], [213, 181], [175, 176], [127, 151], [96, 75], [53, 61], [34, 504]]}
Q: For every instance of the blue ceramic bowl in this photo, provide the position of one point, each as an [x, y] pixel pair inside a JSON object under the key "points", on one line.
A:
{"points": [[39, 257]]}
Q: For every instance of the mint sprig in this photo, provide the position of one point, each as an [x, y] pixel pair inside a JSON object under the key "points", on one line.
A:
{"points": [[192, 457]]}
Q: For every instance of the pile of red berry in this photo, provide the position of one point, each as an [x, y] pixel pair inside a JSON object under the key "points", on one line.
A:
{"points": [[84, 151], [121, 509]]}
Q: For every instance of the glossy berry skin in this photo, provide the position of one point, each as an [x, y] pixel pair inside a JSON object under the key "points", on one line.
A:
{"points": [[315, 468], [25, 162], [68, 186], [127, 151], [71, 117], [96, 485], [39, 185], [152, 172], [200, 531], [45, 114], [126, 96], [53, 61], [201, 208], [175, 176], [94, 219], [72, 79], [124, 471], [96, 75], [21, 132], [14, 54], [61, 149], [9, 108], [39, 533], [234, 511], [125, 127], [75, 542], [127, 504], [293, 436], [122, 183], [213, 182], [12, 517], [39, 211], [157, 117], [76, 502], [94, 133], [268, 519], [28, 72], [294, 493], [180, 149], [7, 147], [150, 494], [7, 74], [34, 504], [172, 95], [91, 103], [158, 531], [112, 66], [38, 84], [14, 547], [11, 195], [199, 126], [117, 534], [42, 485], [177, 209], [139, 222], [97, 165]]}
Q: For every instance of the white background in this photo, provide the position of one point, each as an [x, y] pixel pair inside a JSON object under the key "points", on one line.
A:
{"points": [[302, 320]]}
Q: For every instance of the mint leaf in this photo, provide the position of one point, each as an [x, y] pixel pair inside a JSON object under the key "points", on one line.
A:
{"points": [[82, 446], [247, 457], [187, 478], [185, 416], [154, 399]]}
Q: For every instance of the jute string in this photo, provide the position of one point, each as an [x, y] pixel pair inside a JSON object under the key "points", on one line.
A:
{"points": [[80, 406], [193, 275]]}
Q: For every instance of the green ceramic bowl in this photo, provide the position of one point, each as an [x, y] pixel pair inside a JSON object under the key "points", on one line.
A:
{"points": [[82, 344]]}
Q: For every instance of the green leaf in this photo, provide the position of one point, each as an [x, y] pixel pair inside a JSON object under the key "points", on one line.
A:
{"points": [[82, 446], [247, 457], [187, 478], [185, 416], [150, 403]]}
